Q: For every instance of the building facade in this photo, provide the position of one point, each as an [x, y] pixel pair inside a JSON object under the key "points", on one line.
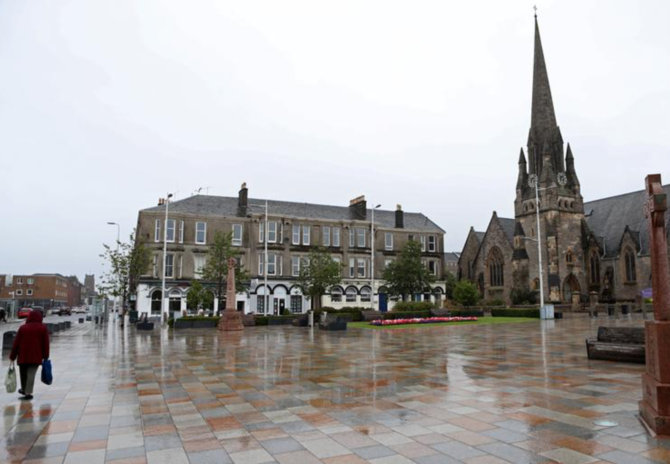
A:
{"points": [[294, 229], [599, 247], [46, 290]]}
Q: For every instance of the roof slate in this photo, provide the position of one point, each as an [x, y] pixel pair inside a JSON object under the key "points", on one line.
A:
{"points": [[209, 205], [607, 218]]}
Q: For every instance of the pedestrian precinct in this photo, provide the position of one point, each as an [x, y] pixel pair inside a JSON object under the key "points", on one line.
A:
{"points": [[31, 347]]}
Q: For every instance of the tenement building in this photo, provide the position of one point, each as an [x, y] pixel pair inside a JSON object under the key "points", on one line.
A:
{"points": [[45, 290], [293, 230], [600, 246]]}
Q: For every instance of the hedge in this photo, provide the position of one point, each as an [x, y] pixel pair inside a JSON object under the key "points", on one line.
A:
{"points": [[413, 306], [356, 311], [194, 318], [406, 315], [516, 313], [263, 320], [466, 313]]}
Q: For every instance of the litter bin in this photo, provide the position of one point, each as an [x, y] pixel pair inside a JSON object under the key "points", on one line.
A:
{"points": [[8, 339], [133, 316]]}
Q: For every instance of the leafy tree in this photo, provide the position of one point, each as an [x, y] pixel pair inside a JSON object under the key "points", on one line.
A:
{"points": [[194, 295], [215, 269], [126, 262], [407, 276], [522, 295], [318, 272], [451, 282], [465, 293]]}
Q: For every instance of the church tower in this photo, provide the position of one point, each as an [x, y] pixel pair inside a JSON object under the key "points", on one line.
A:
{"points": [[560, 205]]}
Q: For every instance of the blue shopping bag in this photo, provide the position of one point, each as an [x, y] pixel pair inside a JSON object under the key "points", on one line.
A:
{"points": [[47, 375]]}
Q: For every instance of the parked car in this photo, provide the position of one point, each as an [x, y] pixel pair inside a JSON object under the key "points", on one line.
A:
{"points": [[23, 313], [80, 309], [64, 311]]}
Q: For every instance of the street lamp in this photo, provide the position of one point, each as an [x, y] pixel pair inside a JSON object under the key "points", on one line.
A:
{"points": [[266, 295], [533, 182], [118, 276], [165, 228], [372, 258]]}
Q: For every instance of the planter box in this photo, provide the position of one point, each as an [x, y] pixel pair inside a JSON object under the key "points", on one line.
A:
{"points": [[282, 321], [346, 317], [145, 326], [205, 324], [183, 324]]}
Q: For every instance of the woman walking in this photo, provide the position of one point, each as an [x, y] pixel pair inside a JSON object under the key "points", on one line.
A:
{"points": [[31, 346]]}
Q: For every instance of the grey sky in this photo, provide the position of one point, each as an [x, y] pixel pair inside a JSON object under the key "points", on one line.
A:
{"points": [[106, 105]]}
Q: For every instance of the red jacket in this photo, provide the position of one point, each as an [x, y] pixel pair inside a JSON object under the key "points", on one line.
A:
{"points": [[31, 344]]}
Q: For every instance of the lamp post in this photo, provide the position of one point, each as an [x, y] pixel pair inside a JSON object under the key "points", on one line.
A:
{"points": [[118, 275], [266, 295], [372, 258], [165, 227]]}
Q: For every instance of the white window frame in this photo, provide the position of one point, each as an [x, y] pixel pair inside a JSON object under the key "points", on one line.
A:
{"points": [[432, 244], [30, 280], [204, 233], [272, 263], [272, 230], [19, 292], [180, 265], [157, 231], [19, 281], [261, 263], [181, 231], [352, 267], [29, 292], [169, 264], [388, 241], [295, 265], [325, 236], [366, 295], [353, 295], [197, 267], [423, 243], [172, 222], [261, 231], [360, 237], [237, 241], [155, 266], [295, 239], [297, 308], [336, 237], [336, 295], [360, 261], [306, 234], [352, 237], [387, 262]]}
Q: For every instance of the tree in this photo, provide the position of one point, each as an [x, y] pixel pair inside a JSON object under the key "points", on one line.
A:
{"points": [[407, 275], [465, 293], [127, 263], [451, 282], [215, 269], [195, 295], [318, 272]]}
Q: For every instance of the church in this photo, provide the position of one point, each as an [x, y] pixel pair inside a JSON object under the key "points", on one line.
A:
{"points": [[599, 247]]}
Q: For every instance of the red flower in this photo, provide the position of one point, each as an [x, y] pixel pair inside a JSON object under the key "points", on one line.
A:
{"points": [[428, 320]]}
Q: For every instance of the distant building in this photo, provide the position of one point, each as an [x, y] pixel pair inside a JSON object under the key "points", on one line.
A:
{"points": [[600, 246], [451, 262], [294, 229], [89, 288], [75, 295], [47, 290]]}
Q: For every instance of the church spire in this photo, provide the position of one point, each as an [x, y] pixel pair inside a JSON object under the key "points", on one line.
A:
{"points": [[543, 118]]}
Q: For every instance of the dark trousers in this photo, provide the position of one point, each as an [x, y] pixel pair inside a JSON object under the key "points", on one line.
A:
{"points": [[28, 372]]}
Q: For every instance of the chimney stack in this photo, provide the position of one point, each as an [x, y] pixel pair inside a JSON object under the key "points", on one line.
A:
{"points": [[358, 208], [243, 201], [399, 218]]}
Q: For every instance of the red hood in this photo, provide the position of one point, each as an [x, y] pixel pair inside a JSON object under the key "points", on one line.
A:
{"points": [[34, 316]]}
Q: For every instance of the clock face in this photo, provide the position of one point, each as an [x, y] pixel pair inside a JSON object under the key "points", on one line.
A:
{"points": [[562, 179], [532, 180]]}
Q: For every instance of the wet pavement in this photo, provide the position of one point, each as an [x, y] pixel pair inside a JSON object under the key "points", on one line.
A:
{"points": [[518, 393]]}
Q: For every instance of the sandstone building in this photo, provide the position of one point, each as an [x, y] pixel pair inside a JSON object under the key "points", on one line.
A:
{"points": [[293, 230], [600, 246]]}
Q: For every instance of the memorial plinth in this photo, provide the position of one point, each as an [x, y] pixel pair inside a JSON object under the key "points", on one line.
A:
{"points": [[655, 404], [231, 319]]}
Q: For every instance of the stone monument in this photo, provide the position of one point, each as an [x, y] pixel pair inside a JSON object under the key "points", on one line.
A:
{"points": [[655, 404], [231, 319]]}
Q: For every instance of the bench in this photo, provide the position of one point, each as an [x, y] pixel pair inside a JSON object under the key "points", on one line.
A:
{"points": [[622, 344]]}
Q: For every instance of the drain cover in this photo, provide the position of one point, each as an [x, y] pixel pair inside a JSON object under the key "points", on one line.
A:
{"points": [[605, 423]]}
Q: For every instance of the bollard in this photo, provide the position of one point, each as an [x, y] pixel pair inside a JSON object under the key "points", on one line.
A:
{"points": [[8, 339], [310, 318]]}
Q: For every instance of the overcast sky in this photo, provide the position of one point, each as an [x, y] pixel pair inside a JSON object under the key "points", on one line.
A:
{"points": [[107, 105]]}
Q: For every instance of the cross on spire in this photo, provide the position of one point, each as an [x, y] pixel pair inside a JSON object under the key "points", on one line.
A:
{"points": [[535, 8]]}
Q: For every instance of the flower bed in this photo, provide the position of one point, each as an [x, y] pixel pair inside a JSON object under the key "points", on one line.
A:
{"points": [[427, 320]]}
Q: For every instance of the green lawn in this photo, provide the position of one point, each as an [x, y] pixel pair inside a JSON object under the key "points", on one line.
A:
{"points": [[479, 321]]}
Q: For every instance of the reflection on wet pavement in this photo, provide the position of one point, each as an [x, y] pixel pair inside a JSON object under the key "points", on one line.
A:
{"points": [[520, 393]]}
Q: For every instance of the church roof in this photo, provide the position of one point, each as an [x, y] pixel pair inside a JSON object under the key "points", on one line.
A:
{"points": [[508, 225], [209, 205], [608, 217], [480, 236]]}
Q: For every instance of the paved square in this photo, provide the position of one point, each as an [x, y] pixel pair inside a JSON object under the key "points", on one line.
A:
{"points": [[518, 393]]}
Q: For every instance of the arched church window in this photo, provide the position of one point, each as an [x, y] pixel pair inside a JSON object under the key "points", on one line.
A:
{"points": [[594, 268], [569, 257], [629, 261], [496, 265]]}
